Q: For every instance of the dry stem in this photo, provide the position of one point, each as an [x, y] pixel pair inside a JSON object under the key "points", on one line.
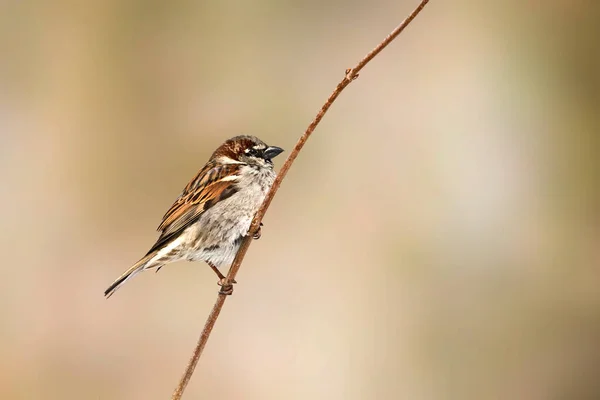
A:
{"points": [[351, 74]]}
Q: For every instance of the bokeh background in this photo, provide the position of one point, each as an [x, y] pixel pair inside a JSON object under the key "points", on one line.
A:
{"points": [[438, 237]]}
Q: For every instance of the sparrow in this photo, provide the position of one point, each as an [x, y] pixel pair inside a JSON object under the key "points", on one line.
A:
{"points": [[213, 213]]}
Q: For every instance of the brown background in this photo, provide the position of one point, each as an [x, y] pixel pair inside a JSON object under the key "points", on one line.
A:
{"points": [[436, 239]]}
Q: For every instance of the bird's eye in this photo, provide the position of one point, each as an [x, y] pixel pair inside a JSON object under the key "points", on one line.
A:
{"points": [[253, 152]]}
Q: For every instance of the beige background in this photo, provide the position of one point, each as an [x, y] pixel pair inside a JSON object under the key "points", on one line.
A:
{"points": [[436, 239]]}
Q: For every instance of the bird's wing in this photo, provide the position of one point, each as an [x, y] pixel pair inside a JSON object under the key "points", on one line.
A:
{"points": [[214, 183]]}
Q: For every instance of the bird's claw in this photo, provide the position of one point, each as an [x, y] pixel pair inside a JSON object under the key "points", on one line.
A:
{"points": [[226, 288], [258, 232]]}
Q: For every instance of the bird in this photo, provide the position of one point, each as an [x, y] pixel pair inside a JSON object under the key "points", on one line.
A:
{"points": [[213, 213]]}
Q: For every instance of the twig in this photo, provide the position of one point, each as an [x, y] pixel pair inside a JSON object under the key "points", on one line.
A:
{"points": [[351, 74]]}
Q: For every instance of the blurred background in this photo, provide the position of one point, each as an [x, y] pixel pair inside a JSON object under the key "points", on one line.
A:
{"points": [[437, 238]]}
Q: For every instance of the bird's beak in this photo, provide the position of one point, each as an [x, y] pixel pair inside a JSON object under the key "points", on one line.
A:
{"points": [[272, 152]]}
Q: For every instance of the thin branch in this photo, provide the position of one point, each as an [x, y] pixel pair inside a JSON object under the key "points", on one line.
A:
{"points": [[351, 74]]}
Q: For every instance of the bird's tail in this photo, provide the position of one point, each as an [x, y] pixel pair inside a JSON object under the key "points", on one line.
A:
{"points": [[137, 267]]}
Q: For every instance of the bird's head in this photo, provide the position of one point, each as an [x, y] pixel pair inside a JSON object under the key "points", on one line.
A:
{"points": [[248, 150]]}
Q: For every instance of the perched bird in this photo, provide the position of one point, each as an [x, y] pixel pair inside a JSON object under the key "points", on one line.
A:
{"points": [[212, 215]]}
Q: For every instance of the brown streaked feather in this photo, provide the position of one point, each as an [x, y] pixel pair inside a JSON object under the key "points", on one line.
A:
{"points": [[235, 146], [205, 190]]}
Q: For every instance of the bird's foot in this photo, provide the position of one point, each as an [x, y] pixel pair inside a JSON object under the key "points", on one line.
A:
{"points": [[258, 232], [226, 288]]}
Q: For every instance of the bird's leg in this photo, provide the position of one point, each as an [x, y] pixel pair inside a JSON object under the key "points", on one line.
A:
{"points": [[219, 274], [225, 288], [258, 232]]}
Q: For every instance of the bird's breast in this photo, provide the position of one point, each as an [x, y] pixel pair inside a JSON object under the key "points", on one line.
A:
{"points": [[228, 220]]}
